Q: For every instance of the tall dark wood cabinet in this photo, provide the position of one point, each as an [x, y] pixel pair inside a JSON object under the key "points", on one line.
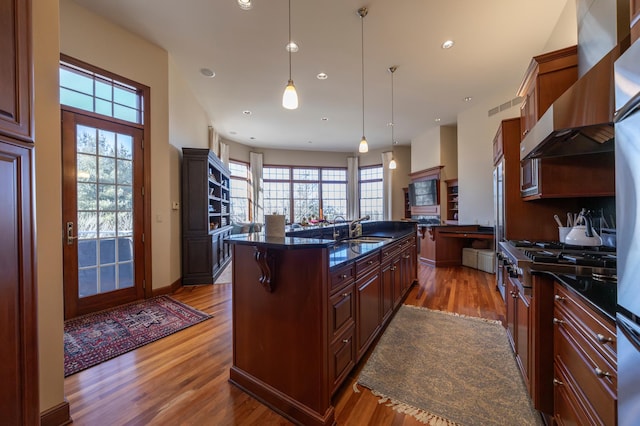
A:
{"points": [[18, 328], [206, 216]]}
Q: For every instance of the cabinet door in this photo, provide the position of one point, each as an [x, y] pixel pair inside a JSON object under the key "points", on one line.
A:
{"points": [[529, 177], [498, 149], [18, 333], [367, 310], [15, 74], [510, 302], [522, 335], [528, 115], [386, 300], [635, 20]]}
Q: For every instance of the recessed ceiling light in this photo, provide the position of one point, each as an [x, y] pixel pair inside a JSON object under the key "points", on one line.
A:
{"points": [[207, 72], [245, 4], [252, 138], [448, 44], [325, 119], [247, 112], [468, 98], [437, 120], [322, 76], [233, 132], [291, 47], [309, 142]]}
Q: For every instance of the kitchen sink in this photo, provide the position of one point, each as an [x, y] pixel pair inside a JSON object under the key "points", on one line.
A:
{"points": [[367, 239]]}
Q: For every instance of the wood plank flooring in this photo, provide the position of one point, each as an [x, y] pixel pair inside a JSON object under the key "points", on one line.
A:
{"points": [[182, 379]]}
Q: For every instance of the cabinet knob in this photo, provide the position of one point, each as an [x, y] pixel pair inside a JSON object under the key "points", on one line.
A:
{"points": [[558, 321], [600, 373], [346, 340], [393, 268], [345, 295], [370, 262], [343, 276], [525, 132], [604, 340], [406, 257], [559, 298], [557, 382]]}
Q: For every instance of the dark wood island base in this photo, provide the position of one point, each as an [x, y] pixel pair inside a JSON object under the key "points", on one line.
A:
{"points": [[305, 310]]}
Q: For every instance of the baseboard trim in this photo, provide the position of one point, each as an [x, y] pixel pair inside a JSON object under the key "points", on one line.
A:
{"points": [[58, 415], [170, 289]]}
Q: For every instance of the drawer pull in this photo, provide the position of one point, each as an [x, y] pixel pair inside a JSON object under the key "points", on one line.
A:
{"points": [[406, 257], [558, 321], [600, 373], [343, 276], [386, 253], [557, 382], [346, 340], [370, 262], [604, 340], [345, 295], [560, 298], [393, 268]]}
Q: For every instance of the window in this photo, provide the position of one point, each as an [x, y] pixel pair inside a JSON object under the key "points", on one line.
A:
{"points": [[90, 91], [303, 192], [371, 192], [239, 191]]}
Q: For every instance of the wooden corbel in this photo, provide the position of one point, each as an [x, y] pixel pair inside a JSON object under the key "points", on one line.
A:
{"points": [[265, 261]]}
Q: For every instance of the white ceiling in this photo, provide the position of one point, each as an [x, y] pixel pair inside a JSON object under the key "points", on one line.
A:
{"points": [[494, 42]]}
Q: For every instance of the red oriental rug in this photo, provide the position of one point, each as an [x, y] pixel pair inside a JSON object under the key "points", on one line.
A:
{"points": [[97, 337]]}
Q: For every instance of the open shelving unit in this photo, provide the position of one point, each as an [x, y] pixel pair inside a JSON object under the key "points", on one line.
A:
{"points": [[452, 201], [206, 216]]}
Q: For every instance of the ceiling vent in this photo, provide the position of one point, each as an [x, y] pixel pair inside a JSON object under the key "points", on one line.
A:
{"points": [[504, 106]]}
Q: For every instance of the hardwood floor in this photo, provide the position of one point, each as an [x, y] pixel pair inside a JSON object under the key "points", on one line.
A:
{"points": [[182, 379]]}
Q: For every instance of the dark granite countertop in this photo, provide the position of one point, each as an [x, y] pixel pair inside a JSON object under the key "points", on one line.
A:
{"points": [[340, 251], [601, 295]]}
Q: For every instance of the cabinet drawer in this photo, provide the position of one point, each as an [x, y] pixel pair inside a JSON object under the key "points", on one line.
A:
{"points": [[341, 358], [341, 310], [342, 276], [367, 263], [567, 409], [599, 331], [587, 368]]}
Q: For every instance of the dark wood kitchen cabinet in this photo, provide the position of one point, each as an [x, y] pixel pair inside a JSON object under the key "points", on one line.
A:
{"points": [[635, 19], [518, 323], [19, 399], [206, 215], [548, 76], [585, 362]]}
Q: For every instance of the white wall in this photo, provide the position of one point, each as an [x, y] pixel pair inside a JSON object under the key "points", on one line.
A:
{"points": [[90, 38], [476, 131], [425, 150], [48, 190], [565, 32]]}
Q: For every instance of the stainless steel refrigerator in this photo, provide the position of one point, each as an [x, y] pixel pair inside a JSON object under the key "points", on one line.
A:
{"points": [[627, 151]]}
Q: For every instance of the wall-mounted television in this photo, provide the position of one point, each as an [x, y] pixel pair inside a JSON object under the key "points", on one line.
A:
{"points": [[424, 193]]}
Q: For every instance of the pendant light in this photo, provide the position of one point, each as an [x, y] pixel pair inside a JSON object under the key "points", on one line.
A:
{"points": [[245, 4], [364, 146], [290, 96], [392, 163]]}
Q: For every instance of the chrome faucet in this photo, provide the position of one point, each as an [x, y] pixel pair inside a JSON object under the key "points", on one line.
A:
{"points": [[355, 227], [336, 234]]}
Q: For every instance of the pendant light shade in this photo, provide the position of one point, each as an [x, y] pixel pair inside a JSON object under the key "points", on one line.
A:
{"points": [[245, 4], [364, 146], [290, 96], [392, 163]]}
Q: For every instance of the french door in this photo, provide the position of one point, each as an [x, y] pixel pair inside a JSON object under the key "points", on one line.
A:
{"points": [[102, 197]]}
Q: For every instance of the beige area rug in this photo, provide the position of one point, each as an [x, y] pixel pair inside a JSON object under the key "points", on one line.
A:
{"points": [[446, 369], [225, 276]]}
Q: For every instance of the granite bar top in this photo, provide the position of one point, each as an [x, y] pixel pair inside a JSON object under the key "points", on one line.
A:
{"points": [[340, 251]]}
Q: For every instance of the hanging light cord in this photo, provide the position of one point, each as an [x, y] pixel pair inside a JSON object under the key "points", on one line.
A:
{"points": [[393, 122], [289, 46], [362, 48]]}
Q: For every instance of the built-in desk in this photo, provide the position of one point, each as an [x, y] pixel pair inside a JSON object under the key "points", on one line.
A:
{"points": [[441, 245]]}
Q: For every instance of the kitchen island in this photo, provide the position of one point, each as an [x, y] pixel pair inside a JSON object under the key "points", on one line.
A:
{"points": [[307, 308]]}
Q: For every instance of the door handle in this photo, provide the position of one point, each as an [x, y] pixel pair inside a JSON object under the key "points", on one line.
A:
{"points": [[70, 236]]}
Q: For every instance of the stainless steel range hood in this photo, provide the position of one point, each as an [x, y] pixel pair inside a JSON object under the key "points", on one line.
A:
{"points": [[580, 121]]}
